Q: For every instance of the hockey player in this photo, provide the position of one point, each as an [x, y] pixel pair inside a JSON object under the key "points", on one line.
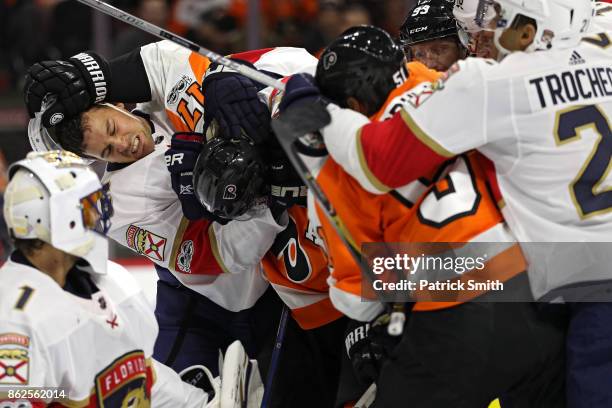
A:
{"points": [[429, 35], [478, 39], [540, 115], [209, 272], [73, 320], [295, 265], [451, 204]]}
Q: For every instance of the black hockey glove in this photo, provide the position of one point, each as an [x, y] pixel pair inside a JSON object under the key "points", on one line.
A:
{"points": [[286, 187], [368, 345], [300, 88], [77, 84], [231, 100], [180, 160]]}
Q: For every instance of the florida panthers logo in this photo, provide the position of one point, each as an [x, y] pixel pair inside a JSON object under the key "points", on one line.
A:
{"points": [[125, 383]]}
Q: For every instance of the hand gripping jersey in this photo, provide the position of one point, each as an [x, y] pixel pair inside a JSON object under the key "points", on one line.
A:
{"points": [[542, 119], [98, 350], [452, 204], [209, 258]]}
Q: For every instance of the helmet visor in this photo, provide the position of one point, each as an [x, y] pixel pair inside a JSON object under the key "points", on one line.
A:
{"points": [[40, 137], [97, 209]]}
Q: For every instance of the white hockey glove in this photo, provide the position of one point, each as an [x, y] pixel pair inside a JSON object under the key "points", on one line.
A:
{"points": [[238, 386]]}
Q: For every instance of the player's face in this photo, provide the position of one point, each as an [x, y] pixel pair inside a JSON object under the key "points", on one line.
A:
{"points": [[112, 134], [484, 44], [437, 54]]}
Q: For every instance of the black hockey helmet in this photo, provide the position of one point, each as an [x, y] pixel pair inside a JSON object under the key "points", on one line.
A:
{"points": [[361, 63], [228, 176], [428, 20]]}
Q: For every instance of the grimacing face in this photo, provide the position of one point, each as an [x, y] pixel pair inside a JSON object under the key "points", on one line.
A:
{"points": [[112, 134], [438, 54]]}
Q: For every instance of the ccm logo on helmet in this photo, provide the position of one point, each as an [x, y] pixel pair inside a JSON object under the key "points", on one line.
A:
{"points": [[418, 29]]}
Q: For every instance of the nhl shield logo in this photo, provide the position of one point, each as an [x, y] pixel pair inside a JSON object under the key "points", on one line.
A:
{"points": [[14, 359]]}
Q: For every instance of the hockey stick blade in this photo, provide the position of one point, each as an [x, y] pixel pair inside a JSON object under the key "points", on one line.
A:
{"points": [[301, 119]]}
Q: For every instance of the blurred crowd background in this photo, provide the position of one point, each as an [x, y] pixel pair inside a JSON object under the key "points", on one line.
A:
{"points": [[34, 30]]}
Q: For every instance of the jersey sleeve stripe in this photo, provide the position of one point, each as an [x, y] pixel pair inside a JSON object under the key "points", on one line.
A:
{"points": [[423, 137], [366, 170], [178, 239], [397, 152], [215, 248]]}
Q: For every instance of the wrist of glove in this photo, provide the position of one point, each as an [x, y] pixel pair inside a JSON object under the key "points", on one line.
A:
{"points": [[231, 100], [368, 345], [76, 84], [286, 187], [201, 377], [300, 89], [181, 158]]}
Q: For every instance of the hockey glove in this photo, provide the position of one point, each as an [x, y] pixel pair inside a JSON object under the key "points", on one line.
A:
{"points": [[77, 84], [201, 377], [180, 161], [286, 187], [368, 345], [231, 99], [299, 89]]}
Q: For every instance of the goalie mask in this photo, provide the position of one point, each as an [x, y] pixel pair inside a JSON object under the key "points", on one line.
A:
{"points": [[363, 62], [228, 177], [54, 197]]}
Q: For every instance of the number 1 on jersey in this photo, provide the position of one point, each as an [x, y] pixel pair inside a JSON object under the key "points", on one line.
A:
{"points": [[24, 298], [585, 189]]}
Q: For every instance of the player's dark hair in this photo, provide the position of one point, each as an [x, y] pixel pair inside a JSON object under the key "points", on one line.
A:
{"points": [[69, 132], [27, 246], [521, 21]]}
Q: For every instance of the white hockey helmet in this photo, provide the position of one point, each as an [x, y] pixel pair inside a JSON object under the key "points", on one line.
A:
{"points": [[465, 16], [560, 23], [54, 197]]}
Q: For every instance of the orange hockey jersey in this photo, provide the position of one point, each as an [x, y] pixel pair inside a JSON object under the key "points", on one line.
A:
{"points": [[296, 267], [454, 205]]}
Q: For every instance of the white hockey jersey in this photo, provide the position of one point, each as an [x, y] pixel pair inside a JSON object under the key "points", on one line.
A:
{"points": [[219, 262], [542, 119], [98, 350], [602, 21]]}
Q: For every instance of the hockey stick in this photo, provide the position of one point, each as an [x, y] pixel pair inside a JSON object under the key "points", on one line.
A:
{"points": [[397, 317], [278, 344], [289, 127], [167, 35]]}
